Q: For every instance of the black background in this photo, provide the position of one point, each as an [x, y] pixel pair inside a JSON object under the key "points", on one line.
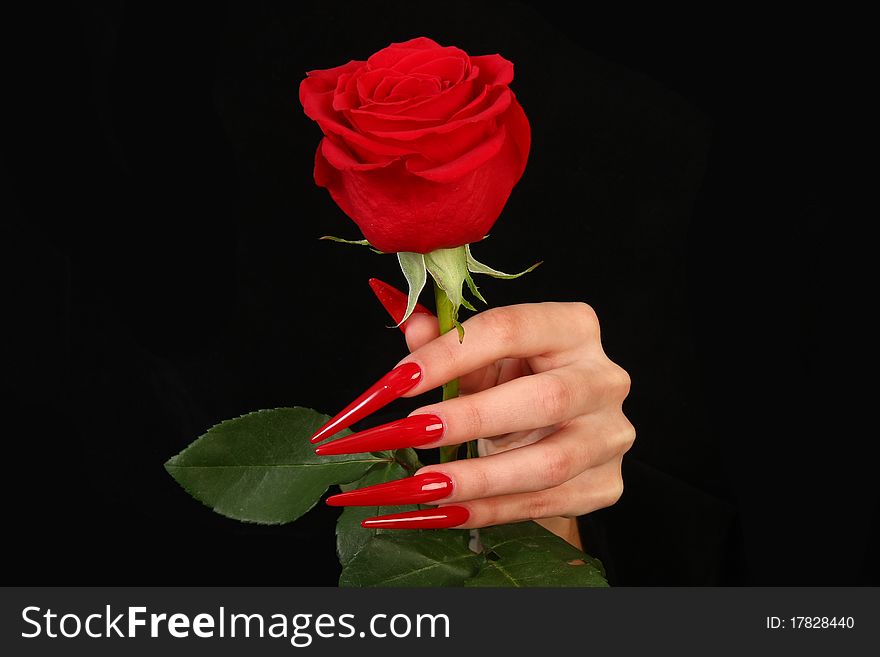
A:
{"points": [[161, 272]]}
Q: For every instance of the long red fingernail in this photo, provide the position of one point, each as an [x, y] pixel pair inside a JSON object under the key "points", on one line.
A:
{"points": [[439, 518], [391, 386], [408, 432], [394, 301], [420, 489]]}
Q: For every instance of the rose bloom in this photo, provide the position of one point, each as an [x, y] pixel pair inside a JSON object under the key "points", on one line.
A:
{"points": [[422, 143]]}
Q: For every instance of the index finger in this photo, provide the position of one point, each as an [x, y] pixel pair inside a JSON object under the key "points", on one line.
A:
{"points": [[548, 331]]}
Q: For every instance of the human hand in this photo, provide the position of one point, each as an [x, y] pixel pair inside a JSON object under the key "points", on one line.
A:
{"points": [[538, 391]]}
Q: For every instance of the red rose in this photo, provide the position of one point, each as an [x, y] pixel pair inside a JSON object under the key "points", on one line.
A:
{"points": [[422, 143]]}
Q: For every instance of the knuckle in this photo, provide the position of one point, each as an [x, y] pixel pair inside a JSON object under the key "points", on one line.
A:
{"points": [[585, 317], [443, 351], [589, 452], [538, 506], [613, 490], [479, 484], [556, 466], [628, 435], [619, 381], [474, 419], [556, 397], [503, 324], [489, 512], [612, 493]]}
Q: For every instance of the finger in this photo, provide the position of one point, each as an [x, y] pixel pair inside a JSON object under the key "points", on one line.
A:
{"points": [[420, 330], [501, 371], [587, 442], [528, 402], [594, 489], [543, 332]]}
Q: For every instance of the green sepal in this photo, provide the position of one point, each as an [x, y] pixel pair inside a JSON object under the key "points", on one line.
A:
{"points": [[474, 289], [449, 269], [356, 242], [413, 267], [478, 267]]}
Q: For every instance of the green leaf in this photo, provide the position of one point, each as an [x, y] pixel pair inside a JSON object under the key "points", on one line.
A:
{"points": [[357, 242], [407, 457], [438, 557], [413, 267], [351, 538], [526, 554], [477, 267], [261, 467], [449, 453]]}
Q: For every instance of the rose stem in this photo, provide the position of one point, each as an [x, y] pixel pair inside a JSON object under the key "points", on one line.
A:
{"points": [[446, 321]]}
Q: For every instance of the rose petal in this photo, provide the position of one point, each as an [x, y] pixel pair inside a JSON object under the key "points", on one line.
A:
{"points": [[380, 93], [339, 157], [426, 113], [420, 58], [367, 121], [415, 87], [372, 78], [440, 147], [494, 69], [393, 53], [399, 211], [519, 131], [342, 97], [325, 79], [317, 102], [498, 100], [460, 166], [441, 106], [452, 69], [495, 99]]}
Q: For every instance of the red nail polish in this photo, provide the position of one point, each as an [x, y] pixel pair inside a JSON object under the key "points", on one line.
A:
{"points": [[383, 392], [408, 432], [439, 518], [394, 301], [420, 489]]}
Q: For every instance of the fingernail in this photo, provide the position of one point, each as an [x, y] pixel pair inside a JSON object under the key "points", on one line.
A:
{"points": [[391, 386], [408, 432], [439, 518], [394, 301], [420, 489]]}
